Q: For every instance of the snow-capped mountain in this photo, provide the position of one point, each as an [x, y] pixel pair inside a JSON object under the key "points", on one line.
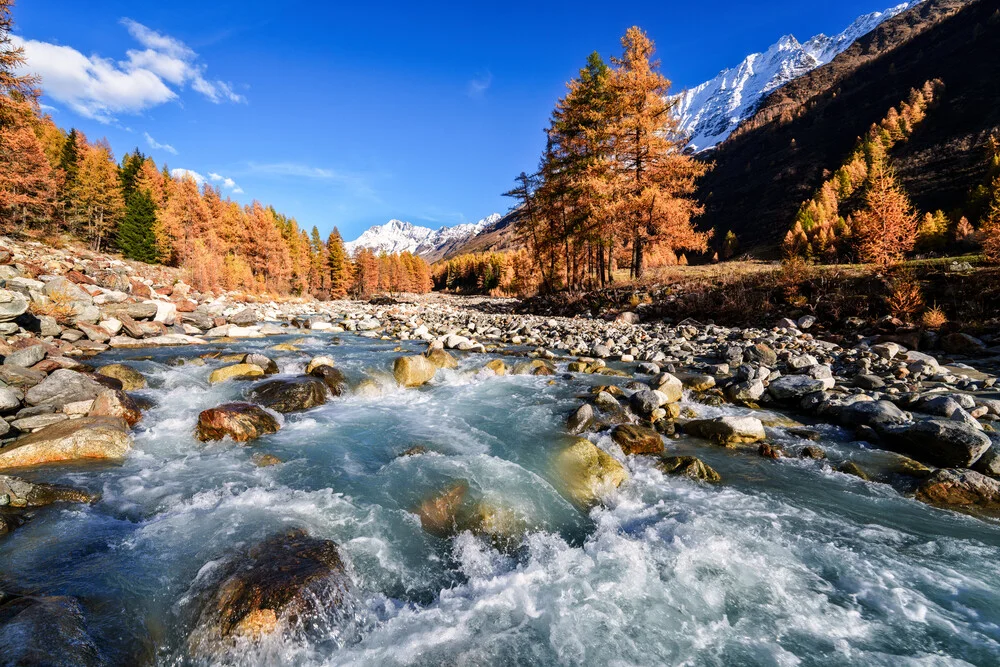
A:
{"points": [[399, 236], [710, 112]]}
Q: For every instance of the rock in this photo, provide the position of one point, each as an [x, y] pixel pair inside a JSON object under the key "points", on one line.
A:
{"points": [[812, 452], [131, 379], [244, 318], [688, 466], [762, 354], [806, 322], [237, 372], [22, 493], [62, 290], [290, 395], [769, 451], [441, 359], [791, 387], [368, 389], [72, 441], [132, 311], [10, 400], [581, 419], [115, 403], [962, 488], [852, 468], [645, 401], [989, 463], [588, 473], [316, 362], [22, 378], [413, 371], [960, 343], [265, 460], [745, 392], [670, 386], [637, 439], [12, 305], [729, 430], [497, 366], [240, 421], [627, 317], [332, 378], [946, 444], [49, 631], [873, 413], [26, 357], [36, 422], [439, 514], [166, 312], [869, 381], [696, 381], [502, 526], [283, 583], [63, 386], [263, 362]]}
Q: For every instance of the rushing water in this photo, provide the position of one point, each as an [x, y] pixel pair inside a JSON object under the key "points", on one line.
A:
{"points": [[784, 563]]}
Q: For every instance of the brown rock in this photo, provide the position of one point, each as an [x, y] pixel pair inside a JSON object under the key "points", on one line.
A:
{"points": [[689, 466], [71, 441], [130, 378], [960, 488], [240, 421], [439, 513], [116, 403], [637, 439]]}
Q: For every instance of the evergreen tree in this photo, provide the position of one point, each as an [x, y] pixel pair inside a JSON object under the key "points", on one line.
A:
{"points": [[338, 265], [136, 237]]}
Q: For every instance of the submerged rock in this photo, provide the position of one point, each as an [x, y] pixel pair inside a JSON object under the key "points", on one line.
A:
{"points": [[17, 492], [729, 430], [439, 514], [240, 421], [72, 441], [497, 366], [48, 631], [689, 466], [637, 439], [588, 473], [961, 488], [413, 371], [130, 378], [290, 395], [289, 580], [334, 380]]}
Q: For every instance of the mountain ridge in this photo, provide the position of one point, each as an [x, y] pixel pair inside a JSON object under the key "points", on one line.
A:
{"points": [[397, 236]]}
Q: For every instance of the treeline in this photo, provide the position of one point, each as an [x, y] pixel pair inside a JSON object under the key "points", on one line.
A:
{"points": [[54, 182], [494, 273], [862, 213], [614, 187]]}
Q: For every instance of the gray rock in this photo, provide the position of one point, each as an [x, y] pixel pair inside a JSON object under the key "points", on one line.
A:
{"points": [[10, 399], [806, 322], [869, 381], [946, 444], [942, 406], [25, 357], [64, 386], [790, 387], [873, 413], [645, 401], [729, 430], [66, 291], [580, 419], [749, 391], [989, 463], [244, 318], [12, 305]]}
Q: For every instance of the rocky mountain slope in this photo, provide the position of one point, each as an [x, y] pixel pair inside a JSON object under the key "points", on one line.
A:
{"points": [[711, 111], [400, 236], [779, 156]]}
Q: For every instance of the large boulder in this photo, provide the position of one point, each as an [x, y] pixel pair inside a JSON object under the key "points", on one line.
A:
{"points": [[26, 357], [440, 513], [730, 430], [290, 395], [62, 290], [939, 442], [670, 386], [281, 584], [876, 414], [961, 488], [12, 305], [71, 441], [334, 380], [413, 371], [240, 421], [441, 358], [17, 492], [791, 387], [63, 386], [637, 439], [130, 378], [588, 473], [49, 631], [688, 466]]}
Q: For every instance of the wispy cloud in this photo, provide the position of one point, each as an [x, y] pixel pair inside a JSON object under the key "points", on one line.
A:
{"points": [[100, 88], [157, 146], [188, 173], [225, 182], [356, 184], [478, 86]]}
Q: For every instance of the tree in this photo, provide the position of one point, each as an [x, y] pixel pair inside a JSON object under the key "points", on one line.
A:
{"points": [[730, 245], [15, 88], [887, 227], [96, 195], [338, 265], [27, 184], [653, 182], [932, 233], [136, 235], [991, 226]]}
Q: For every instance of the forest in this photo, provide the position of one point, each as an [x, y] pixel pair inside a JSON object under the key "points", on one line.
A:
{"points": [[55, 183]]}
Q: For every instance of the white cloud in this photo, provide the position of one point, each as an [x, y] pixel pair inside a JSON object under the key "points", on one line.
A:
{"points": [[182, 174], [227, 183], [100, 88], [155, 145], [477, 87]]}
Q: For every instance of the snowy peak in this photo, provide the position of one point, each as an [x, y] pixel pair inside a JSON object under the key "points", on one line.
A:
{"points": [[400, 236], [710, 112]]}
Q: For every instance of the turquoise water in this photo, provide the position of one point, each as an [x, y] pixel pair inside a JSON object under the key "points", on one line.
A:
{"points": [[785, 563]]}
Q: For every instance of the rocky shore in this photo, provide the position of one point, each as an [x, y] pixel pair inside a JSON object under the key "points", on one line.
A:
{"points": [[59, 404]]}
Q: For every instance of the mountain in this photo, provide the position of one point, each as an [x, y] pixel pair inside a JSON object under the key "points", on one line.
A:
{"points": [[710, 112], [399, 236], [803, 131]]}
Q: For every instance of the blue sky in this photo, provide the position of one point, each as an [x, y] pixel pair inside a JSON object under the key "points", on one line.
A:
{"points": [[352, 114]]}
